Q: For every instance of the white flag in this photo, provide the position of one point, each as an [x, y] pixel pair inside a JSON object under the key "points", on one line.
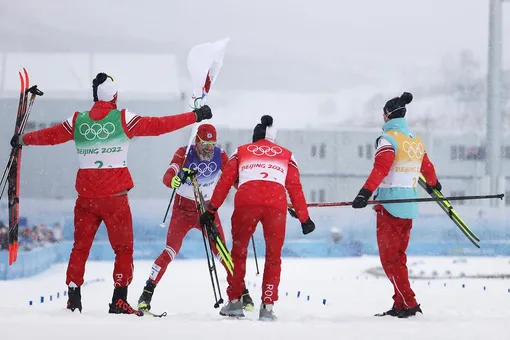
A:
{"points": [[204, 64]]}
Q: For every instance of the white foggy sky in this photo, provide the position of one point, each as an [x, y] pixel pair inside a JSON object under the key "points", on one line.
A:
{"points": [[369, 35], [352, 49]]}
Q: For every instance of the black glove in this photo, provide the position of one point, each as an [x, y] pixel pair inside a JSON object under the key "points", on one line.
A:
{"points": [[361, 200], [17, 140], [292, 212], [207, 218], [308, 226], [430, 188], [202, 113]]}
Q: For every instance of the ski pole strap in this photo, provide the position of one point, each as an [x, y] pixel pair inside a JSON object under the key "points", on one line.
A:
{"points": [[409, 200]]}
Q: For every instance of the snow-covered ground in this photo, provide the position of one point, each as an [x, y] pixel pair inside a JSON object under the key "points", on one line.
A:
{"points": [[453, 309]]}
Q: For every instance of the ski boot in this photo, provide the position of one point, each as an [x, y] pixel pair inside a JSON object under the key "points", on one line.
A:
{"points": [[392, 312], [247, 300], [406, 313], [74, 298], [144, 302], [120, 305], [266, 313], [233, 308]]}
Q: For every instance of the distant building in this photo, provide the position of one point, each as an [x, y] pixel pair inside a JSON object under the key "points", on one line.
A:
{"points": [[334, 162]]}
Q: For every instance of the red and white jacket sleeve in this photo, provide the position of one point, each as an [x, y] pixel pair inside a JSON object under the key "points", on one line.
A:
{"points": [[175, 166], [229, 175], [295, 190], [428, 170], [383, 160], [134, 126], [138, 126], [224, 159], [54, 135]]}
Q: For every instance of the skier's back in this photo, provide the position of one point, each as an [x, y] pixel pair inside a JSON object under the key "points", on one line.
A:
{"points": [[399, 160], [102, 137], [266, 171]]}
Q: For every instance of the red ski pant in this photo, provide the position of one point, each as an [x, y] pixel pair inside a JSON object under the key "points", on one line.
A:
{"points": [[392, 239], [244, 223], [116, 215], [181, 223]]}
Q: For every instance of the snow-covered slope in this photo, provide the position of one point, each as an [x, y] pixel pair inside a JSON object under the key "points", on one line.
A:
{"points": [[453, 309]]}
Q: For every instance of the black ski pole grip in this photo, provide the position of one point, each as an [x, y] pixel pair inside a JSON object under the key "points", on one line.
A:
{"points": [[35, 90]]}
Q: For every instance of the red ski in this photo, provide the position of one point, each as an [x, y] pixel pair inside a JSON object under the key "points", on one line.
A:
{"points": [[12, 169]]}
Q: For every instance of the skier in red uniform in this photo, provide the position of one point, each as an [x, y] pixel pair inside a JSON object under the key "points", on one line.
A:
{"points": [[400, 157], [103, 180], [209, 160], [264, 171]]}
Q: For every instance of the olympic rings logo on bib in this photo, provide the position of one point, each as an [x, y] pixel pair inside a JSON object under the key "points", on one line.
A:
{"points": [[264, 150], [96, 130], [204, 169], [413, 150]]}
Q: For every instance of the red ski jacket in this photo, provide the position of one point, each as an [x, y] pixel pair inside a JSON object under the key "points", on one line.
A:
{"points": [[100, 183], [175, 166], [384, 158], [266, 172]]}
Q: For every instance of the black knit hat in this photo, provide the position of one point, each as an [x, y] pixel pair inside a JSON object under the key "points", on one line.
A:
{"points": [[265, 129], [396, 107]]}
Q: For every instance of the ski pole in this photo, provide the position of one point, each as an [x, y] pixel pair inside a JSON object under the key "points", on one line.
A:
{"points": [[183, 177], [199, 200], [255, 254], [193, 134], [212, 269], [406, 200], [162, 224]]}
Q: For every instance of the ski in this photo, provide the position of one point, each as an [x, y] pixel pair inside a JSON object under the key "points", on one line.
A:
{"points": [[13, 174], [147, 313], [12, 170], [451, 212], [212, 231]]}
